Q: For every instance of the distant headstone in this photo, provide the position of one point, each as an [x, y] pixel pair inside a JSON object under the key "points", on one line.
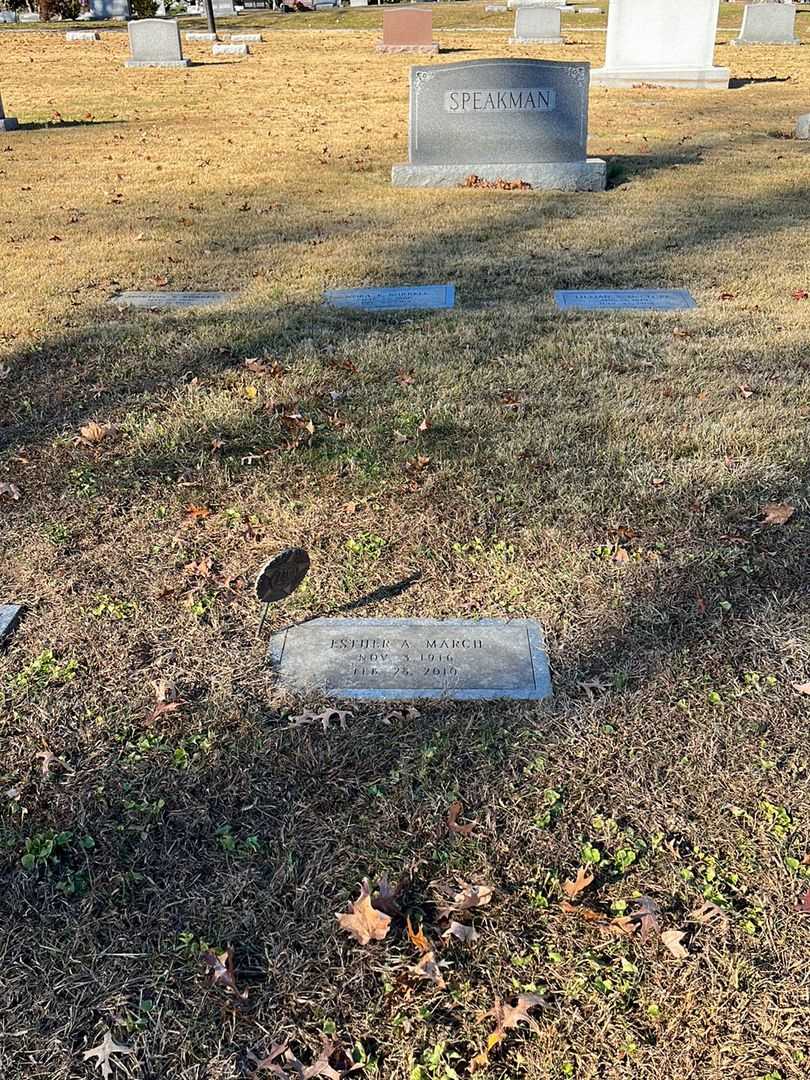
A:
{"points": [[8, 16], [536, 25], [358, 3], [82, 35], [768, 24], [406, 659], [7, 123], [404, 298], [495, 9], [803, 127], [155, 43], [661, 43], [9, 618], [198, 35], [226, 49], [28, 17], [510, 120], [246, 38], [223, 7], [513, 5], [624, 299], [110, 9], [407, 30], [155, 300]]}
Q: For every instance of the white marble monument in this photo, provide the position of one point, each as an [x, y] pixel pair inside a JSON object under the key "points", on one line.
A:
{"points": [[662, 43]]}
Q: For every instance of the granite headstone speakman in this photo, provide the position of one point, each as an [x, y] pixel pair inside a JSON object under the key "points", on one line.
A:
{"points": [[406, 659], [511, 120], [624, 299], [407, 30], [536, 24], [155, 43], [7, 123], [661, 43], [768, 24], [155, 300]]}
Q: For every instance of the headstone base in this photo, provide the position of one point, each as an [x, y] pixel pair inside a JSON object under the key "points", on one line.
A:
{"points": [[748, 41], [432, 50], [156, 63], [82, 35], [535, 41], [230, 50], [8, 123], [587, 175], [712, 78]]}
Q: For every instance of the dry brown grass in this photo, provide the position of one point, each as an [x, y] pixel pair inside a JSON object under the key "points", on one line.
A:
{"points": [[270, 177]]}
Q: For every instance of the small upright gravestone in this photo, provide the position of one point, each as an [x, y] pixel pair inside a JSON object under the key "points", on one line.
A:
{"points": [[662, 43], [155, 43], [535, 24], [7, 123], [407, 30], [522, 121], [768, 24], [223, 7], [803, 127]]}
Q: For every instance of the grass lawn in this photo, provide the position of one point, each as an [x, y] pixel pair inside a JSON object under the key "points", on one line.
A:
{"points": [[605, 474]]}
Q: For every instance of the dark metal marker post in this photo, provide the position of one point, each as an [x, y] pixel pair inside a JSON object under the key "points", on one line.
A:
{"points": [[209, 14], [281, 575]]}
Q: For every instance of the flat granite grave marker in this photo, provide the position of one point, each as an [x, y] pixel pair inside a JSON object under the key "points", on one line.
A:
{"points": [[511, 120], [82, 35], [199, 35], [405, 659], [768, 24], [537, 25], [624, 299], [133, 298], [228, 49], [7, 123], [9, 618], [247, 38], [155, 43], [395, 298], [662, 43], [407, 30]]}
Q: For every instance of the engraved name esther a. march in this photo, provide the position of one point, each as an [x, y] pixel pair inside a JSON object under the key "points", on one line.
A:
{"points": [[520, 99]]}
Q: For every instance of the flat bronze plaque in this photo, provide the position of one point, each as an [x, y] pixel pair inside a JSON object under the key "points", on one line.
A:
{"points": [[403, 659]]}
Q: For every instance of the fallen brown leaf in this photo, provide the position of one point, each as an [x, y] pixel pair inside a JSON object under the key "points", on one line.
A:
{"points": [[470, 896], [671, 940], [647, 915], [465, 934], [427, 968], [92, 433], [363, 920], [9, 491], [453, 812], [221, 970], [708, 913], [506, 1016], [583, 879], [803, 906], [196, 513], [417, 937], [777, 513], [104, 1052], [325, 718], [802, 688], [801, 294]]}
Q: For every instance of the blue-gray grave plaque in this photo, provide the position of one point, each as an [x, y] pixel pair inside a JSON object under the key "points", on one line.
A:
{"points": [[404, 659], [513, 120], [398, 298], [170, 299], [9, 618], [624, 299]]}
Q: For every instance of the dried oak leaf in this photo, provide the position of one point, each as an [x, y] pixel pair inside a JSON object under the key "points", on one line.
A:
{"points": [[325, 718], [801, 294], [470, 896], [465, 934], [453, 813], [583, 879], [417, 937], [506, 1016], [9, 491], [220, 968], [803, 906], [647, 915], [92, 433], [802, 688], [708, 913], [671, 940], [777, 513], [364, 921], [196, 513], [427, 968], [103, 1054]]}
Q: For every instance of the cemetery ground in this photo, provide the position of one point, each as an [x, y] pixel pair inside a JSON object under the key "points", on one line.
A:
{"points": [[606, 474]]}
